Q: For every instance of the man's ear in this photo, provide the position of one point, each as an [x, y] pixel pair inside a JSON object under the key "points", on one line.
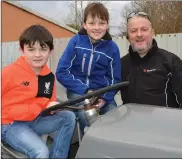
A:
{"points": [[127, 36], [153, 33], [126, 33]]}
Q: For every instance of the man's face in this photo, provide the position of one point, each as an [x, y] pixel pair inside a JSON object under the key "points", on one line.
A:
{"points": [[35, 55], [96, 28], [140, 34]]}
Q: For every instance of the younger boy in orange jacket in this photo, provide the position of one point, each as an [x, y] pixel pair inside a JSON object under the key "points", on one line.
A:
{"points": [[28, 87]]}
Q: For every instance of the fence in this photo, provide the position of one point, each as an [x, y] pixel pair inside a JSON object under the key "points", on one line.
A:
{"points": [[10, 52], [170, 42]]}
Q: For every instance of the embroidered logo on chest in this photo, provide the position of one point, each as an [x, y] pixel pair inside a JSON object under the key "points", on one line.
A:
{"points": [[47, 87], [25, 83], [151, 70]]}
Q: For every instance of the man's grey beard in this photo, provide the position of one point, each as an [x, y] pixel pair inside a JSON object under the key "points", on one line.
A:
{"points": [[142, 50]]}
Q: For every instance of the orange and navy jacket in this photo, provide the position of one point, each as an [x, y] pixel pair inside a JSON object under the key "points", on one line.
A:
{"points": [[25, 95]]}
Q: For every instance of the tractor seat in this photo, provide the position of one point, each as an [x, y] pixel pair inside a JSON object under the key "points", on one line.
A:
{"points": [[9, 152]]}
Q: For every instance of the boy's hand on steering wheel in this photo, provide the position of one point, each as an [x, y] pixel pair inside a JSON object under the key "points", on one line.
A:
{"points": [[52, 104], [100, 104]]}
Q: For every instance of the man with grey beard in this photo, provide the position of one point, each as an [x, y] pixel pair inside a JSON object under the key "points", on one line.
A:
{"points": [[155, 75]]}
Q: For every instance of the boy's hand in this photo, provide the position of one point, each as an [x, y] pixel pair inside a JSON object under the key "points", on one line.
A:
{"points": [[52, 104], [100, 104]]}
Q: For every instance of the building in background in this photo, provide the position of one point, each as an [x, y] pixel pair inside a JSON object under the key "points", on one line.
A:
{"points": [[15, 18]]}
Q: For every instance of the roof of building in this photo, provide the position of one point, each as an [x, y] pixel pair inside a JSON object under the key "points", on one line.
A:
{"points": [[15, 3]]}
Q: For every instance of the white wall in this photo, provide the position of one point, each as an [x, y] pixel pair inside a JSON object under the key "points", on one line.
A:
{"points": [[10, 52]]}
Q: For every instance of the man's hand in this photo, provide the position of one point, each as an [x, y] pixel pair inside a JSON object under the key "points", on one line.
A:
{"points": [[100, 104]]}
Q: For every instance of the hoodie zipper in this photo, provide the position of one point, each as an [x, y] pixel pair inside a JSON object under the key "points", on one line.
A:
{"points": [[83, 62], [90, 62]]}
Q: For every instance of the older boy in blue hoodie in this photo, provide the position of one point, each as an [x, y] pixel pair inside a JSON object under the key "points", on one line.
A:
{"points": [[91, 60]]}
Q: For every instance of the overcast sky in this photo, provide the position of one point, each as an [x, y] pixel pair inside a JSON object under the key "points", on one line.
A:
{"points": [[59, 10]]}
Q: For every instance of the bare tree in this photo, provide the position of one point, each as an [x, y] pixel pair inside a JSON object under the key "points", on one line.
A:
{"points": [[166, 16], [74, 17], [127, 9]]}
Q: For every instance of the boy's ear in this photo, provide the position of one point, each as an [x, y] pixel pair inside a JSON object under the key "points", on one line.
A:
{"points": [[84, 26], [51, 51], [21, 51]]}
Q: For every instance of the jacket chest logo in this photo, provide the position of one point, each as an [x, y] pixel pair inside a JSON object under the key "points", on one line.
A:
{"points": [[25, 83], [45, 85], [47, 88], [151, 70]]}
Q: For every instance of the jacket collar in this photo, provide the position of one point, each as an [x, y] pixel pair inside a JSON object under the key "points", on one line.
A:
{"points": [[107, 36], [20, 62], [135, 56]]}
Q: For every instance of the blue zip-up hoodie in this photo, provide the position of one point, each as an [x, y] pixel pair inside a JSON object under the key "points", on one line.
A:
{"points": [[85, 66]]}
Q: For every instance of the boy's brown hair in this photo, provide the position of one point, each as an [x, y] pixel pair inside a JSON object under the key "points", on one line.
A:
{"points": [[96, 9], [36, 33]]}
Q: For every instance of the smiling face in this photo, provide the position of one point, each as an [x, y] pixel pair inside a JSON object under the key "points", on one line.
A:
{"points": [[140, 34], [36, 55], [96, 27]]}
